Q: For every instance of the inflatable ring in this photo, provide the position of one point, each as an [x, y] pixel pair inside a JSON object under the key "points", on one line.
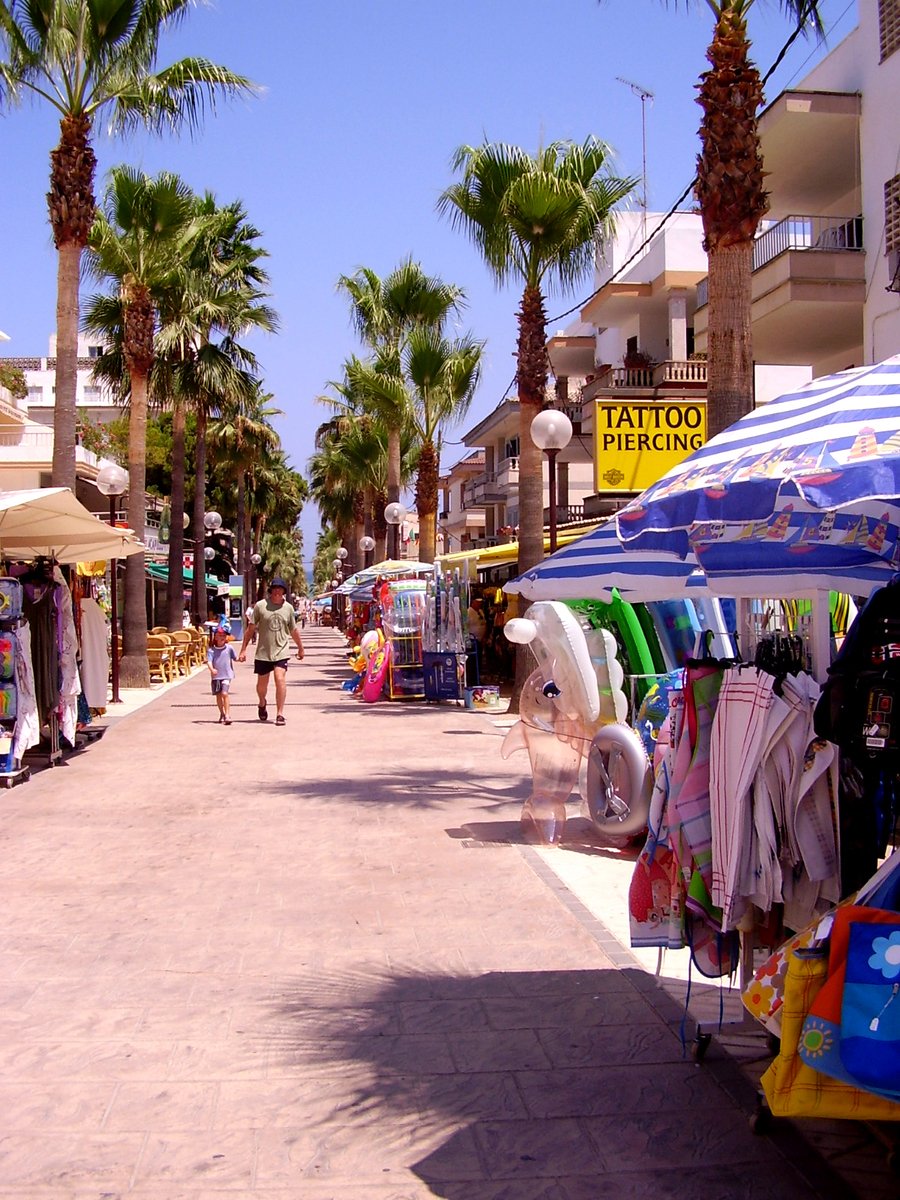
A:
{"points": [[619, 783]]}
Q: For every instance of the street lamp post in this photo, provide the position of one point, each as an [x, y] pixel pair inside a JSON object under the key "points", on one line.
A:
{"points": [[366, 545], [394, 515], [112, 480], [551, 431]]}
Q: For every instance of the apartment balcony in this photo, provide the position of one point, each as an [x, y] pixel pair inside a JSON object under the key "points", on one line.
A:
{"points": [[34, 447], [670, 376], [816, 265], [493, 487], [566, 514]]}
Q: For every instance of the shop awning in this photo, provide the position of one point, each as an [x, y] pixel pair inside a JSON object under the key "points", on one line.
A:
{"points": [[160, 571], [508, 552]]}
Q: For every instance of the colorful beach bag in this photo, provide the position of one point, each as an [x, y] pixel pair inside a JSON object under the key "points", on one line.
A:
{"points": [[792, 1088], [822, 1035], [870, 1007]]}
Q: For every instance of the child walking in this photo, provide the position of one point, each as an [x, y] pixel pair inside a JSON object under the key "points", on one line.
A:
{"points": [[220, 659]]}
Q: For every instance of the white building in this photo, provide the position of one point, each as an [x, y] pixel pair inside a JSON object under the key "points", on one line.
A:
{"points": [[94, 401]]}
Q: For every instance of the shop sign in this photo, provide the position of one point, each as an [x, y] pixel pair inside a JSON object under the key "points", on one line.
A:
{"points": [[635, 444]]}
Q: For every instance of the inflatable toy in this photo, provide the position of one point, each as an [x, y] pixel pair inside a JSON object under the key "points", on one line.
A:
{"points": [[376, 673], [654, 710], [619, 783], [677, 628], [576, 688], [554, 744]]}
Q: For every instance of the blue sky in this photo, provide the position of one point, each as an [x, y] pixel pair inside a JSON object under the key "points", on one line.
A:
{"points": [[340, 161]]}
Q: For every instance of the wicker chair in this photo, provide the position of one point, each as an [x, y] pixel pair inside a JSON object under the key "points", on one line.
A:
{"points": [[182, 646], [160, 657]]}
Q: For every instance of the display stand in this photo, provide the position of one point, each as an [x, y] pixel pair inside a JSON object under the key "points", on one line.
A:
{"points": [[403, 610], [11, 771]]}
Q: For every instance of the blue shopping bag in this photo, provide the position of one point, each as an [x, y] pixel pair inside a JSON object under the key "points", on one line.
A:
{"points": [[870, 1008]]}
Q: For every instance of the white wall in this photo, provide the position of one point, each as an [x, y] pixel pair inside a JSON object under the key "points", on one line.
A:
{"points": [[853, 66]]}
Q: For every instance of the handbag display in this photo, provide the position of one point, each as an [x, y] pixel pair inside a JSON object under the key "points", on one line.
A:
{"points": [[870, 1008], [821, 1039], [792, 1088]]}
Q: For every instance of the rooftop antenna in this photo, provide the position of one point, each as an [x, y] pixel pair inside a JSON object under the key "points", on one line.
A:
{"points": [[645, 95]]}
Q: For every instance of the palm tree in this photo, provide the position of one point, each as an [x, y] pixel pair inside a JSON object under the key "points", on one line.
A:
{"points": [[242, 436], [85, 59], [443, 376], [138, 242], [384, 311], [731, 193], [536, 219], [227, 257]]}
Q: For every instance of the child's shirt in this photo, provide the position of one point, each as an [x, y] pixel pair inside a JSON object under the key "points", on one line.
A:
{"points": [[221, 659]]}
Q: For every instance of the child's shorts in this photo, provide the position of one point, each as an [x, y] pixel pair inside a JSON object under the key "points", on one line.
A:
{"points": [[221, 685]]}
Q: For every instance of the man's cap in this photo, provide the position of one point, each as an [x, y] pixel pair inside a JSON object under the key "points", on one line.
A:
{"points": [[278, 582]]}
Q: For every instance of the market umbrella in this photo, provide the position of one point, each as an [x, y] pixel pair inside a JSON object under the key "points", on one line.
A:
{"points": [[589, 569], [52, 522], [807, 482], [796, 498], [390, 567]]}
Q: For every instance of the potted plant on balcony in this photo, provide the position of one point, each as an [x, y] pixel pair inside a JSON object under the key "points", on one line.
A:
{"points": [[636, 359]]}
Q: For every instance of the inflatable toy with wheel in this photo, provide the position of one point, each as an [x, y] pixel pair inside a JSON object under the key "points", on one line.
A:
{"points": [[618, 785]]}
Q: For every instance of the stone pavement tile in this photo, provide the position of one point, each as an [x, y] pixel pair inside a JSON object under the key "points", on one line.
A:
{"points": [[613, 1044], [633, 1140], [229, 1058], [568, 1012], [318, 1097], [337, 1152], [49, 1019], [105, 1162], [46, 1062], [443, 1015], [139, 1107], [62, 1106], [739, 1181], [609, 1090], [220, 1160], [535, 1149], [499, 1050], [408, 1054]]}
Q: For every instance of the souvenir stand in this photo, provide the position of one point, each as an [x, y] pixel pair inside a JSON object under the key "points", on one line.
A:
{"points": [[403, 614], [39, 529], [769, 806], [444, 637]]}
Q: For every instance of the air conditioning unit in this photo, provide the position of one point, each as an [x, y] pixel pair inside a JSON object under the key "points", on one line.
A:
{"points": [[893, 270]]}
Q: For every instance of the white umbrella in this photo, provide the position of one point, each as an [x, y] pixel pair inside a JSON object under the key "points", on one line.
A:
{"points": [[51, 522]]}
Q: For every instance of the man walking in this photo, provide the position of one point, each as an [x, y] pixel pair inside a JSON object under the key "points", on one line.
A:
{"points": [[273, 625]]}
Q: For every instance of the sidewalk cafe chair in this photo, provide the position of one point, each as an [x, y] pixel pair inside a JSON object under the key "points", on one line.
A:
{"points": [[159, 657]]}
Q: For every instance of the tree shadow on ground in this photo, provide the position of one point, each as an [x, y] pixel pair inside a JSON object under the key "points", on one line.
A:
{"points": [[524, 1085]]}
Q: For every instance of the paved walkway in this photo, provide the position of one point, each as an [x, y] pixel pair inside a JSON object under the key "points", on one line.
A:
{"points": [[313, 962]]}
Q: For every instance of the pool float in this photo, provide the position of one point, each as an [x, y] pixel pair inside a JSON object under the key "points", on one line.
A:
{"points": [[564, 658], [376, 673], [711, 616], [619, 783], [677, 628]]}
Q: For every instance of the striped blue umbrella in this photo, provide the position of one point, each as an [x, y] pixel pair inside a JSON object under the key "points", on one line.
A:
{"points": [[804, 485], [589, 568]]}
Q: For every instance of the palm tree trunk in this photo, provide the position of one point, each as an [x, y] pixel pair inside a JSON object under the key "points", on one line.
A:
{"points": [[198, 592], [532, 380], [175, 585], [134, 671], [64, 407], [426, 501], [729, 388], [393, 488]]}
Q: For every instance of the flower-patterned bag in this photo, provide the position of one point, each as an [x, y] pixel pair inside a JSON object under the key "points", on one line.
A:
{"points": [[792, 1088], [821, 1037], [763, 997], [870, 1008]]}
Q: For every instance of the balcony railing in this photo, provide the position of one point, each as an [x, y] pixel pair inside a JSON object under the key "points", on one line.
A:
{"points": [[565, 514], [673, 373], [813, 233]]}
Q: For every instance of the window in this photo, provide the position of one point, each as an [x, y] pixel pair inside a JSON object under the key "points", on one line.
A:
{"points": [[94, 351], [892, 231], [511, 449], [888, 27]]}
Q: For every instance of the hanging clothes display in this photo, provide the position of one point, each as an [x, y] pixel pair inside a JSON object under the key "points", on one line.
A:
{"points": [[39, 608], [70, 681], [94, 653], [28, 726]]}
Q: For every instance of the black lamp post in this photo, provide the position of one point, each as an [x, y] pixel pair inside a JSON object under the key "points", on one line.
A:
{"points": [[112, 480], [551, 431]]}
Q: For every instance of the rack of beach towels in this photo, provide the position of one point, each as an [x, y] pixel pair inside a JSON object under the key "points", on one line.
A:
{"points": [[774, 801]]}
